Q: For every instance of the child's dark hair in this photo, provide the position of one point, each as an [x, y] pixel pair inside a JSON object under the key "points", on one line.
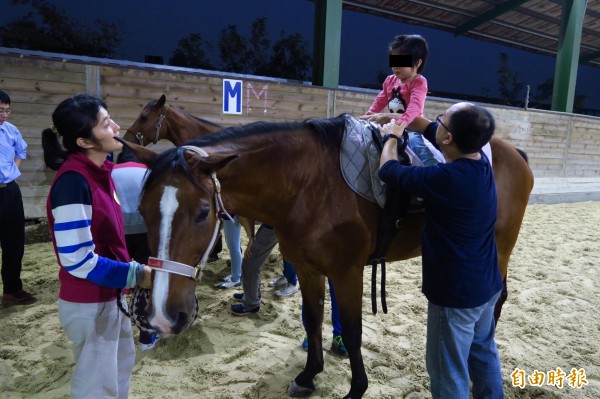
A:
{"points": [[414, 45], [73, 118], [471, 127], [4, 97]]}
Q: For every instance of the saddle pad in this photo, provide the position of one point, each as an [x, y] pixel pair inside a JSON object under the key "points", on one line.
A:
{"points": [[359, 161]]}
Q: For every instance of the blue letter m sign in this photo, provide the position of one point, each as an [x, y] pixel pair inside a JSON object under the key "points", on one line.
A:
{"points": [[232, 96]]}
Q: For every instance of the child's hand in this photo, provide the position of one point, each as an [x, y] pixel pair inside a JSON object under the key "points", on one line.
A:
{"points": [[382, 118], [393, 128]]}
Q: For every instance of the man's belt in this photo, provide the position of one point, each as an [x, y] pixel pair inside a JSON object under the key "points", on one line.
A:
{"points": [[2, 185]]}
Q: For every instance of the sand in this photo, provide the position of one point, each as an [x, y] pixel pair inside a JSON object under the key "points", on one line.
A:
{"points": [[551, 320]]}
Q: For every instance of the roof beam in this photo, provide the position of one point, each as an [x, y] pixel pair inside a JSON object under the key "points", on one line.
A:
{"points": [[588, 57], [487, 16]]}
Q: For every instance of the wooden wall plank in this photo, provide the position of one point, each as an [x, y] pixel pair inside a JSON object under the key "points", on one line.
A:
{"points": [[559, 145]]}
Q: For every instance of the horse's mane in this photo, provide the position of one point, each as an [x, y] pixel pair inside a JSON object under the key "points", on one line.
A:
{"points": [[328, 131], [153, 103], [204, 120]]}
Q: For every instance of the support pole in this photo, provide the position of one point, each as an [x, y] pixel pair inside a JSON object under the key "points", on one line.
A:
{"points": [[567, 59], [327, 43]]}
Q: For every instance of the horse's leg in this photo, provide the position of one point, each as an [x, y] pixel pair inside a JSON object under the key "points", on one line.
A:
{"points": [[500, 302], [313, 295], [349, 289]]}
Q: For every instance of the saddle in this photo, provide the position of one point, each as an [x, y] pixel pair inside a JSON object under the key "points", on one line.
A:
{"points": [[360, 152]]}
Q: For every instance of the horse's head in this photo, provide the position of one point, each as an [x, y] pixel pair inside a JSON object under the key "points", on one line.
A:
{"points": [[146, 128], [180, 205]]}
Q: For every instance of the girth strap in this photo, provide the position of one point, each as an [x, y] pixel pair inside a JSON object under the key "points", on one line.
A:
{"points": [[391, 220]]}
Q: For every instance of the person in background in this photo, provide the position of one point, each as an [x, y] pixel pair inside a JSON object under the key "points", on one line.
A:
{"points": [[287, 283], [232, 230], [337, 343], [86, 225], [128, 176], [461, 278], [262, 245], [13, 150]]}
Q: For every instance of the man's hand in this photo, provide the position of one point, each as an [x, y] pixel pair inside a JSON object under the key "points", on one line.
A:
{"points": [[393, 128]]}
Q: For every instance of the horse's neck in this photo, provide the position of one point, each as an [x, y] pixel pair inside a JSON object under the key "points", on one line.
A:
{"points": [[269, 175], [183, 127]]}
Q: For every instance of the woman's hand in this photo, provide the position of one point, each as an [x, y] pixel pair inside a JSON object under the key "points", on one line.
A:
{"points": [[146, 280]]}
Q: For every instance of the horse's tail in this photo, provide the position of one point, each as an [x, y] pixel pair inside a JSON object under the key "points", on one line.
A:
{"points": [[523, 154]]}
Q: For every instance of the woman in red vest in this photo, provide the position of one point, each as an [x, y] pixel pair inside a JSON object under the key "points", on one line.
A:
{"points": [[87, 229]]}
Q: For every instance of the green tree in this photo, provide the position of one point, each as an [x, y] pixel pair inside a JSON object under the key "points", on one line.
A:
{"points": [[259, 47], [233, 51], [190, 53], [287, 58], [579, 101], [48, 28], [509, 83], [544, 90]]}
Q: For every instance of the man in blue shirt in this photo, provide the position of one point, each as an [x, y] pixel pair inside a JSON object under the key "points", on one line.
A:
{"points": [[13, 150], [461, 279]]}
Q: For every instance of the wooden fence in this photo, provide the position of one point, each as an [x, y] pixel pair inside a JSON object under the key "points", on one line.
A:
{"points": [[558, 144]]}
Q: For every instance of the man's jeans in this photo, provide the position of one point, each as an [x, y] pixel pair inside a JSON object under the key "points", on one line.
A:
{"points": [[461, 348], [418, 146]]}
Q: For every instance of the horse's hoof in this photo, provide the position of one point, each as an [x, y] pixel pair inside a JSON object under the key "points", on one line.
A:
{"points": [[296, 391]]}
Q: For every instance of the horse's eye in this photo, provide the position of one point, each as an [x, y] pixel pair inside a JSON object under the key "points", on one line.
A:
{"points": [[202, 215], [143, 118]]}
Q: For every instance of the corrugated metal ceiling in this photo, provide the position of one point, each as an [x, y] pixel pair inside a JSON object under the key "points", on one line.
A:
{"points": [[532, 25]]}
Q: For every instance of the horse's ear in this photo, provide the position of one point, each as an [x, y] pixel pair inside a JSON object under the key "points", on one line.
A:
{"points": [[161, 101], [143, 154], [208, 164]]}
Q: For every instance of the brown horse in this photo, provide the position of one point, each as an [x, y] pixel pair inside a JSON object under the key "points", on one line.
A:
{"points": [[287, 175], [158, 121]]}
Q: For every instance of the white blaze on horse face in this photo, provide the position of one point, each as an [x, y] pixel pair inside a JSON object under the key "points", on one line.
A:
{"points": [[160, 289]]}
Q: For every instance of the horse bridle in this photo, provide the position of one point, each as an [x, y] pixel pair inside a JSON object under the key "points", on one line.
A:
{"points": [[195, 272], [140, 136]]}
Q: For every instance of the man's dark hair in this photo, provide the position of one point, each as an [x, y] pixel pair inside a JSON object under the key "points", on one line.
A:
{"points": [[414, 45], [471, 127], [4, 97]]}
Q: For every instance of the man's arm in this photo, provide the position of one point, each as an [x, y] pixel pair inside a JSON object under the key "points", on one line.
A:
{"points": [[390, 148], [419, 124]]}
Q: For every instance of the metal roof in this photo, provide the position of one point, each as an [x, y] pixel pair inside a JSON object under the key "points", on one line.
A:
{"points": [[531, 25]]}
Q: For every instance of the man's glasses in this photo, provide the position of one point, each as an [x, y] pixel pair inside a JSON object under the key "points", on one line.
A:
{"points": [[439, 119], [5, 111]]}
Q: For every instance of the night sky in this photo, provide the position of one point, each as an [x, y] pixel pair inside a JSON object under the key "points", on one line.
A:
{"points": [[456, 65]]}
